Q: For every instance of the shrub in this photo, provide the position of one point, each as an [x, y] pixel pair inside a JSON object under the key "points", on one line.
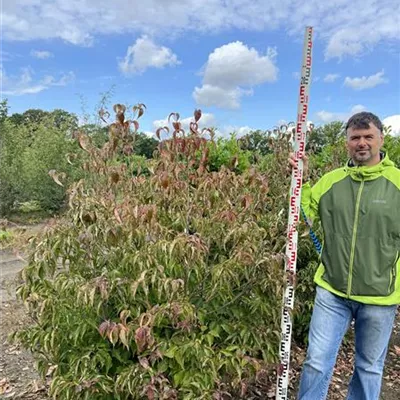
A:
{"points": [[171, 283], [47, 152], [28, 153], [228, 152], [13, 142]]}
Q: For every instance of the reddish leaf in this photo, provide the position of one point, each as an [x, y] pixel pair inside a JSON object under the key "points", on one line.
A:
{"points": [[114, 177], [136, 125], [139, 109], [127, 149], [103, 328], [246, 201], [164, 180], [150, 392], [141, 334], [144, 362], [175, 115], [159, 130], [104, 114], [194, 127], [119, 108], [177, 126], [283, 128], [197, 115]]}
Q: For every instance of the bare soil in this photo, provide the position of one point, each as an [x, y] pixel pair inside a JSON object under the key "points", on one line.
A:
{"points": [[19, 379]]}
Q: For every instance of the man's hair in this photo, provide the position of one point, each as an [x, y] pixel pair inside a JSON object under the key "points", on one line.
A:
{"points": [[362, 120]]}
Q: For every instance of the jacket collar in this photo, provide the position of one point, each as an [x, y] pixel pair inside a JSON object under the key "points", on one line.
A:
{"points": [[368, 172]]}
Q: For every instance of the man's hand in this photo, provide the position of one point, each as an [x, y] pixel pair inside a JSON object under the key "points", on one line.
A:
{"points": [[292, 164]]}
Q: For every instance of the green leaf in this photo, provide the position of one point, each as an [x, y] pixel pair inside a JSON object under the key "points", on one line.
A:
{"points": [[179, 378]]}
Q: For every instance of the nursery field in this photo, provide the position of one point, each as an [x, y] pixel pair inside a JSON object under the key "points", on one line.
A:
{"points": [[153, 268]]}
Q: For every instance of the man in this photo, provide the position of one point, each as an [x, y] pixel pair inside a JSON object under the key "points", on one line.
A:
{"points": [[358, 278]]}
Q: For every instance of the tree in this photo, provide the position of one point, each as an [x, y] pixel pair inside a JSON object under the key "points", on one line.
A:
{"points": [[3, 110], [255, 141], [30, 116], [14, 141], [145, 145], [64, 119], [324, 135], [98, 134], [60, 118]]}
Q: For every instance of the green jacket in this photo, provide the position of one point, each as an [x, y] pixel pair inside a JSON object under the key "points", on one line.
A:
{"points": [[359, 209]]}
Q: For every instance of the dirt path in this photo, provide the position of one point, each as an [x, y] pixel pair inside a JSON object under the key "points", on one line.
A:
{"points": [[11, 261], [18, 377], [10, 265], [19, 380]]}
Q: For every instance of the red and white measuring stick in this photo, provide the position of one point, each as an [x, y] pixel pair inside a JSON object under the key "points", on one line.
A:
{"points": [[294, 216]]}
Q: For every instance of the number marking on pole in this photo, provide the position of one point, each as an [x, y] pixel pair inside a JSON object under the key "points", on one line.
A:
{"points": [[294, 215]]}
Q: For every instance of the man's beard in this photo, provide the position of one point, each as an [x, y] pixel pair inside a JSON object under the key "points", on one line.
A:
{"points": [[361, 157]]}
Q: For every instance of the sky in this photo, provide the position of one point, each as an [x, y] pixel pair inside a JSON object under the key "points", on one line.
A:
{"points": [[238, 61]]}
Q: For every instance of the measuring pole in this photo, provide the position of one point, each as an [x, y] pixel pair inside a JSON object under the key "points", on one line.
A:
{"points": [[294, 216]]}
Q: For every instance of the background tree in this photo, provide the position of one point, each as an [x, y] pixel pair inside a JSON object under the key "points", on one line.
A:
{"points": [[325, 135], [145, 145], [256, 141]]}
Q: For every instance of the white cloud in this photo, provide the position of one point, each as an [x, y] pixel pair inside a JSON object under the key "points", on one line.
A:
{"points": [[231, 72], [41, 54], [146, 54], [239, 131], [235, 64], [365, 82], [25, 84], [209, 95], [6, 56], [327, 116], [357, 38], [331, 77], [394, 122], [345, 32]]}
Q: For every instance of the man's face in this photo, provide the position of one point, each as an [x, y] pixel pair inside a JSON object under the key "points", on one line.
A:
{"points": [[364, 145]]}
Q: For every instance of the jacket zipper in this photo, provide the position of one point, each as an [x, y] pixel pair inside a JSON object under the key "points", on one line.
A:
{"points": [[353, 242]]}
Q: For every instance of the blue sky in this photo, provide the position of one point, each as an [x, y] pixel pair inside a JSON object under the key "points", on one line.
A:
{"points": [[238, 61]]}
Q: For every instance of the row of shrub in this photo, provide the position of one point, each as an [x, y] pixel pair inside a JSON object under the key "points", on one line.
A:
{"points": [[36, 142]]}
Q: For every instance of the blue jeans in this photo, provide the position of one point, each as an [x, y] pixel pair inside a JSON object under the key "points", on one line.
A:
{"points": [[330, 320]]}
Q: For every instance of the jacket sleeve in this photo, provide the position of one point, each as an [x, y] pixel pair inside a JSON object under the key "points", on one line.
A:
{"points": [[310, 202]]}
